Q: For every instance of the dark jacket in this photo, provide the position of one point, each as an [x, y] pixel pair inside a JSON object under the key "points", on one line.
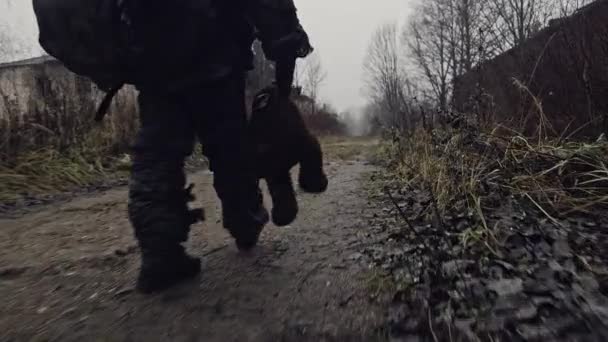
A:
{"points": [[195, 41]]}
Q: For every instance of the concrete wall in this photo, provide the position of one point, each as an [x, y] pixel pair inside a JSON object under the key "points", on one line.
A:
{"points": [[43, 104], [565, 66]]}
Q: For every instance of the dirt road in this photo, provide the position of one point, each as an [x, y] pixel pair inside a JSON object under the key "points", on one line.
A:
{"points": [[67, 274]]}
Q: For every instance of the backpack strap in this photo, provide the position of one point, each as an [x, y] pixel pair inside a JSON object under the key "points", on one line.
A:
{"points": [[107, 101]]}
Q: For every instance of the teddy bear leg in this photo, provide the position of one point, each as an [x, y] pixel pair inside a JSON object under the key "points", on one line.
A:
{"points": [[312, 178], [284, 202]]}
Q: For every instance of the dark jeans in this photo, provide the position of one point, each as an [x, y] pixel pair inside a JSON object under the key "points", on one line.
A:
{"points": [[170, 123]]}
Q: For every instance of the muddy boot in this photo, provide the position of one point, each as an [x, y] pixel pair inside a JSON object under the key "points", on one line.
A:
{"points": [[160, 271], [246, 225], [246, 236], [247, 239]]}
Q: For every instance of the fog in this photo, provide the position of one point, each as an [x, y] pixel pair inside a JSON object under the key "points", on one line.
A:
{"points": [[341, 31], [18, 25]]}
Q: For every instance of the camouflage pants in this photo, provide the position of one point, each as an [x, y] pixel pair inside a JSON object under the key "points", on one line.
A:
{"points": [[170, 124]]}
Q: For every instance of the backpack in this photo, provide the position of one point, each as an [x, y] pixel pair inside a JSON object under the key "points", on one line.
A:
{"points": [[83, 36], [96, 38]]}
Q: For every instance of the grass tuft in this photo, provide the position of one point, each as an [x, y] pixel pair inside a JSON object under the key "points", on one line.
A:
{"points": [[466, 170], [49, 170], [342, 148]]}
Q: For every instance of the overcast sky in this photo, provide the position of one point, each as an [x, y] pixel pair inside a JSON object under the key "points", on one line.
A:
{"points": [[340, 30]]}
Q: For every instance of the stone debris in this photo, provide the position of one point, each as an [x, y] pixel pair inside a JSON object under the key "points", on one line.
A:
{"points": [[537, 281]]}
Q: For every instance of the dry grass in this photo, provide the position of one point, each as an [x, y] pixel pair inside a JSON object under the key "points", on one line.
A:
{"points": [[96, 159], [380, 283], [467, 170], [564, 176], [49, 170], [348, 148]]}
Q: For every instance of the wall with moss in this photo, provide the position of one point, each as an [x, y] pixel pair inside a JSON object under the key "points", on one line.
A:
{"points": [[565, 67], [44, 105]]}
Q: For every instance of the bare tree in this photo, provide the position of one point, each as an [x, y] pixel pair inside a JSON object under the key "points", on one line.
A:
{"points": [[429, 37], [567, 7], [312, 77], [448, 38], [385, 78], [298, 74], [518, 20], [471, 38]]}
